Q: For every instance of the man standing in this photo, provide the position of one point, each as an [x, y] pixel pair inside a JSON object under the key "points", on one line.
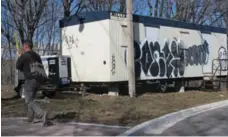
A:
{"points": [[31, 84]]}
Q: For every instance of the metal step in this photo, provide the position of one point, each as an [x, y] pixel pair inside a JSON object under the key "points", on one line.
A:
{"points": [[207, 76], [210, 84], [219, 80]]}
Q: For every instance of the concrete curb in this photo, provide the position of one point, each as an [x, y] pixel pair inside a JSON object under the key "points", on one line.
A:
{"points": [[159, 125], [77, 123]]}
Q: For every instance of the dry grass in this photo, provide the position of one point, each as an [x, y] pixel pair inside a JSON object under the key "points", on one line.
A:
{"points": [[120, 110]]}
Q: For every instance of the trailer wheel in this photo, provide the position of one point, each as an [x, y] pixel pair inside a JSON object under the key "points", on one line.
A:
{"points": [[49, 93], [162, 87]]}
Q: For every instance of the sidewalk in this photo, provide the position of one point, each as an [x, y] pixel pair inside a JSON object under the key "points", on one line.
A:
{"points": [[211, 123], [16, 127], [159, 125]]}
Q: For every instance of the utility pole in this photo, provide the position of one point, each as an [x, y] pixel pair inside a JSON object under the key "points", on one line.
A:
{"points": [[226, 21], [17, 55], [131, 60]]}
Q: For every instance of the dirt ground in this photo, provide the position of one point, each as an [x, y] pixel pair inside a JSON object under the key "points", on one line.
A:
{"points": [[106, 109]]}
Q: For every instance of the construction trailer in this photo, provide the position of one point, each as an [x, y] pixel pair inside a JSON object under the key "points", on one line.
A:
{"points": [[166, 51]]}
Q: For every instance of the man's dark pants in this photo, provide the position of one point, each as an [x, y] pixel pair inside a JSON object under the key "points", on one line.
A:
{"points": [[30, 88]]}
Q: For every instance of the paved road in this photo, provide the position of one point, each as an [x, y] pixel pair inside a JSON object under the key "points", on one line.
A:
{"points": [[211, 123], [16, 127]]}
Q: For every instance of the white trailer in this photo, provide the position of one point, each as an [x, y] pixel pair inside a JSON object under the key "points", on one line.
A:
{"points": [[165, 50]]}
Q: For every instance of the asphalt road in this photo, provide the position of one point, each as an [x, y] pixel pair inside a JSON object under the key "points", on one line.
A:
{"points": [[210, 123], [16, 127]]}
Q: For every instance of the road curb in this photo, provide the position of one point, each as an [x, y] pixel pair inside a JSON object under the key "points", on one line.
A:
{"points": [[160, 124], [77, 123]]}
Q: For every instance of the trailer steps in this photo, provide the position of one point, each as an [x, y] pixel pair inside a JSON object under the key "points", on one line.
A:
{"points": [[213, 80]]}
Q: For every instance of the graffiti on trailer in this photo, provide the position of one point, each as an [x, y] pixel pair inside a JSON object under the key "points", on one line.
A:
{"points": [[169, 61], [197, 55], [155, 61], [222, 54], [113, 70], [71, 41]]}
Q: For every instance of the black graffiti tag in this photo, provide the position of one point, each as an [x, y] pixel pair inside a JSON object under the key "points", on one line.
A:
{"points": [[170, 61], [154, 61], [113, 70], [197, 55], [71, 41]]}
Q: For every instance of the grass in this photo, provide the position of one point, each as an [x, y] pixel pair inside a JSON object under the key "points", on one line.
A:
{"points": [[106, 109]]}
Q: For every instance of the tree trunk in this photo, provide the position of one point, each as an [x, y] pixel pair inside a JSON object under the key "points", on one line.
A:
{"points": [[203, 12], [156, 9], [10, 62], [66, 5], [21, 33], [122, 6], [150, 7], [30, 34], [161, 8], [168, 9]]}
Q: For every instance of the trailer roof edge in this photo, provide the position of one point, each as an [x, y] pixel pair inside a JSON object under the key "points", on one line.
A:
{"points": [[86, 17]]}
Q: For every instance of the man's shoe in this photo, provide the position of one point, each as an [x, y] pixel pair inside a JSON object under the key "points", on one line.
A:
{"points": [[29, 120], [30, 116], [45, 120]]}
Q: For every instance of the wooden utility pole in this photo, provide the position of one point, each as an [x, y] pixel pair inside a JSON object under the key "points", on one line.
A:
{"points": [[17, 55], [227, 59], [131, 60]]}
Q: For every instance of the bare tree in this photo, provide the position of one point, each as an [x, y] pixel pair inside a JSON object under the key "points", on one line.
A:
{"points": [[156, 8], [198, 12], [192, 11], [150, 7], [161, 8], [26, 15], [7, 42], [122, 4], [67, 6], [139, 7], [75, 6], [168, 9], [102, 5], [51, 29], [222, 11]]}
